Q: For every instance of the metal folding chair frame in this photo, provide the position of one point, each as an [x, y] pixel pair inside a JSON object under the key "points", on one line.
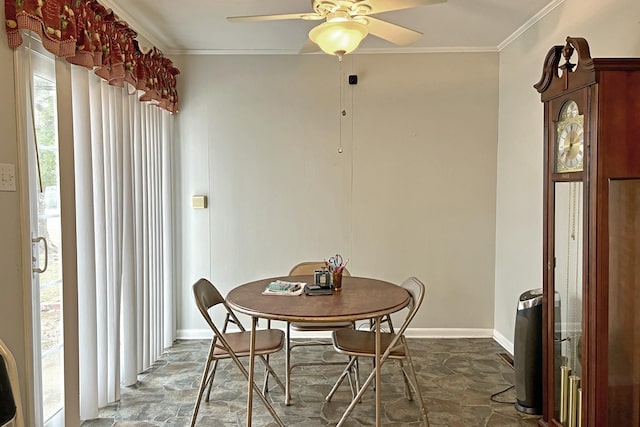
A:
{"points": [[398, 341], [219, 342]]}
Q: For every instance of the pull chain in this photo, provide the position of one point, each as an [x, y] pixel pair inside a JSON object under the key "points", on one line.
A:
{"points": [[343, 112]]}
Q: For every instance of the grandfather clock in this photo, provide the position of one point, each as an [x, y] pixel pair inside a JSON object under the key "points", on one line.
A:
{"points": [[591, 254]]}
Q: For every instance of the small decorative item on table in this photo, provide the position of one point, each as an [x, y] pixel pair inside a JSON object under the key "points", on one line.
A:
{"points": [[322, 277], [280, 287], [336, 265], [336, 279]]}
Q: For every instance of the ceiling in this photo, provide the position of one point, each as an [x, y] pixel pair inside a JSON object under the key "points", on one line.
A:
{"points": [[200, 27]]}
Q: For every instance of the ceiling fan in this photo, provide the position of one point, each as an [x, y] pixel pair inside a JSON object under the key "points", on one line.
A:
{"points": [[347, 23]]}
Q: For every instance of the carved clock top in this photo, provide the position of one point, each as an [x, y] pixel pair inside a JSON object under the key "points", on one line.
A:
{"points": [[559, 78]]}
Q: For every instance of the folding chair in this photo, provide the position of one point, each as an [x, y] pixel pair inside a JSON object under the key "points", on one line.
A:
{"points": [[357, 343], [232, 345]]}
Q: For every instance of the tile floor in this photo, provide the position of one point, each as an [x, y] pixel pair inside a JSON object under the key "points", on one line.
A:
{"points": [[457, 378]]}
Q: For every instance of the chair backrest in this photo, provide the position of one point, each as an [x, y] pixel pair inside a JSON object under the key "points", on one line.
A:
{"points": [[207, 296], [307, 268], [416, 290]]}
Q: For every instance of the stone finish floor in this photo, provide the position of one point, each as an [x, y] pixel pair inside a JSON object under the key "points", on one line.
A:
{"points": [[457, 378]]}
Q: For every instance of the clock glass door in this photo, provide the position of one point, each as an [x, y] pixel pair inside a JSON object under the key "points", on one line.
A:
{"points": [[567, 286], [570, 139]]}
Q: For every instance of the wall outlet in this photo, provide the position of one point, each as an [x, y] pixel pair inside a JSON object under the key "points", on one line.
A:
{"points": [[7, 177]]}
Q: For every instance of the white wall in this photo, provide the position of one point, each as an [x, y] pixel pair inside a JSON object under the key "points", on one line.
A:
{"points": [[413, 193], [11, 303], [612, 28]]}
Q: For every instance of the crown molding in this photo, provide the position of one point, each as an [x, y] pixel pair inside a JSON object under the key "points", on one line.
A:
{"points": [[530, 23], [145, 40], [453, 49]]}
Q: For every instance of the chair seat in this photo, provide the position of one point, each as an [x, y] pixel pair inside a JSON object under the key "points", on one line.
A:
{"points": [[363, 343], [267, 341], [325, 326]]}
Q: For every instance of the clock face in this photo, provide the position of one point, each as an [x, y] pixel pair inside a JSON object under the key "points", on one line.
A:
{"points": [[570, 139]]}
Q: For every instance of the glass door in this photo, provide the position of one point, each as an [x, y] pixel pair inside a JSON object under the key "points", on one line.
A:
{"points": [[567, 286], [44, 193]]}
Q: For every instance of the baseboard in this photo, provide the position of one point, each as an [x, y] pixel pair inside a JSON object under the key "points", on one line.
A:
{"points": [[193, 334], [503, 341], [198, 334], [448, 333]]}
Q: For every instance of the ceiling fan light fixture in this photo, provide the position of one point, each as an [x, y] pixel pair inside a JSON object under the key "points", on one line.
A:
{"points": [[338, 38]]}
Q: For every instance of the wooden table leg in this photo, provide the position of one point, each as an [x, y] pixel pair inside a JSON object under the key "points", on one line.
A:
{"points": [[252, 353], [287, 366], [378, 373]]}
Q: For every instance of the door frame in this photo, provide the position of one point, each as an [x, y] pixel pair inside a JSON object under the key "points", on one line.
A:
{"points": [[68, 235]]}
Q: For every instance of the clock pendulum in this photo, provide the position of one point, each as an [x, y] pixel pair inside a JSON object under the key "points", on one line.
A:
{"points": [[574, 240], [570, 370]]}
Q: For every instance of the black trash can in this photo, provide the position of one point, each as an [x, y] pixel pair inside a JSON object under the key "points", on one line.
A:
{"points": [[527, 349]]}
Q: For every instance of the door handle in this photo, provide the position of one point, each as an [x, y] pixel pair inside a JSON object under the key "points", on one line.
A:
{"points": [[35, 268]]}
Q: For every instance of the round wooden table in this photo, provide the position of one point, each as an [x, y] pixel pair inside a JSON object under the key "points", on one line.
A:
{"points": [[360, 298]]}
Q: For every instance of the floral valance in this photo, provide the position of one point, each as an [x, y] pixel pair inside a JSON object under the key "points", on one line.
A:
{"points": [[88, 34]]}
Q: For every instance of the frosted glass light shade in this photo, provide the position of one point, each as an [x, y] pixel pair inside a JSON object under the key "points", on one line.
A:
{"points": [[338, 38]]}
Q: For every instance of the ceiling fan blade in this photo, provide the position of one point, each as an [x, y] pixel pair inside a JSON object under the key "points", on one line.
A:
{"points": [[309, 47], [394, 33], [253, 18], [379, 6]]}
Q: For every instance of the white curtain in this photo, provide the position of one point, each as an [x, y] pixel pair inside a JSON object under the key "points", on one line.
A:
{"points": [[123, 202]]}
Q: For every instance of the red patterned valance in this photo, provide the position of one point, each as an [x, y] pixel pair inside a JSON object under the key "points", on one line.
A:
{"points": [[88, 34]]}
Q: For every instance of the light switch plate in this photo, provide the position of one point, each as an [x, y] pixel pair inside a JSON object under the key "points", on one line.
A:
{"points": [[199, 202], [7, 177]]}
